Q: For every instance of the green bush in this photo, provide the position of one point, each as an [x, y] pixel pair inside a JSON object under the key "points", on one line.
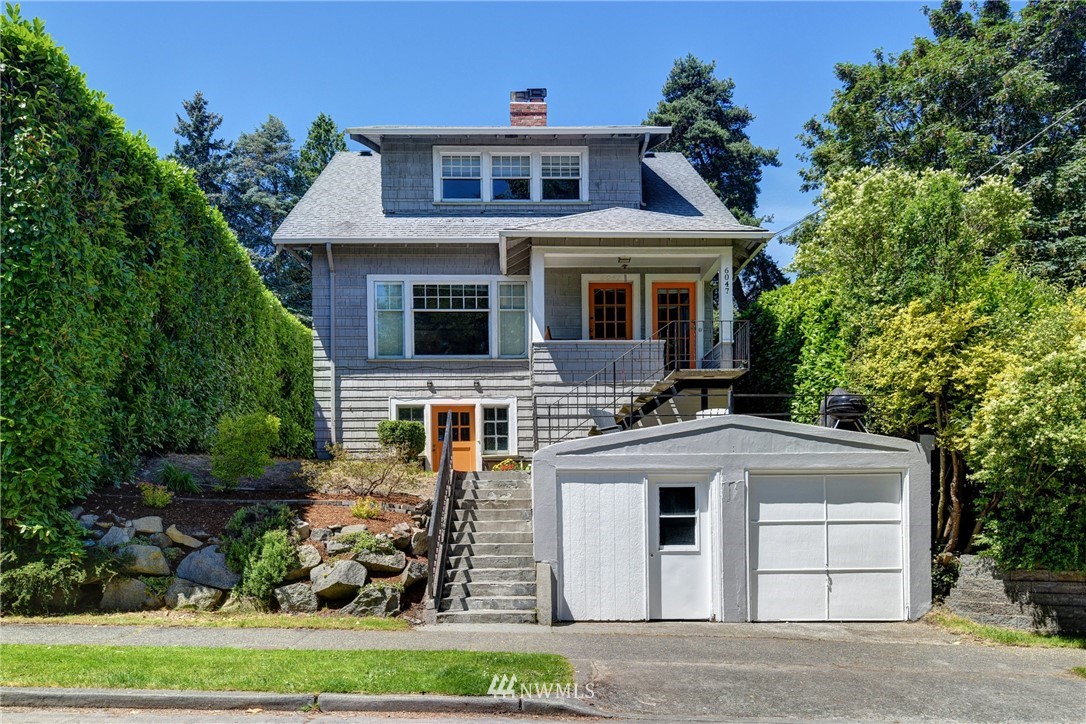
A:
{"points": [[268, 564], [177, 480], [242, 446], [155, 496], [53, 584], [132, 320], [245, 531], [364, 541], [366, 508], [409, 438]]}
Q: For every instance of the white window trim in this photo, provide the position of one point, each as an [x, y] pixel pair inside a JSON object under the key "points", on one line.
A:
{"points": [[492, 280], [428, 403], [487, 188], [635, 303]]}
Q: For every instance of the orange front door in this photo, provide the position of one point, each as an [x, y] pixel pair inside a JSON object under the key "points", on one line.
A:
{"points": [[609, 305], [463, 436], [673, 321]]}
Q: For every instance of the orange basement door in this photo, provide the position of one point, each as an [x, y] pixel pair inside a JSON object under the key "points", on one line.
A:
{"points": [[463, 436]]}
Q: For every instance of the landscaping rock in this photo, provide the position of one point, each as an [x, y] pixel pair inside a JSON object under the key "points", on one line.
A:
{"points": [[147, 560], [301, 529], [243, 604], [335, 547], [148, 524], [401, 535], [382, 601], [320, 534], [188, 594], [114, 537], [88, 521], [415, 572], [356, 528], [420, 543], [207, 566], [308, 559], [181, 539], [161, 540], [124, 594], [75, 511], [297, 598], [339, 580], [382, 562], [335, 527]]}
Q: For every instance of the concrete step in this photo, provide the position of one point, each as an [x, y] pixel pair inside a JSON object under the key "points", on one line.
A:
{"points": [[506, 504], [521, 476], [495, 485], [465, 562], [489, 536], [486, 589], [490, 575], [486, 616], [489, 603], [510, 494], [490, 549], [492, 526], [474, 514]]}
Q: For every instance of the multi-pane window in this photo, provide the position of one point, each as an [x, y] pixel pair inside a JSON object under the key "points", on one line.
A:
{"points": [[389, 318], [561, 177], [512, 320], [678, 516], [410, 413], [462, 177], [511, 178], [451, 319], [495, 429]]}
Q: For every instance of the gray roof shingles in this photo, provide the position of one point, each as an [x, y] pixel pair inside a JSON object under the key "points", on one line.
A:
{"points": [[345, 203]]}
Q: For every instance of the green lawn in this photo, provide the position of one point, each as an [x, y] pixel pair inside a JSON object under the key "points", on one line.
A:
{"points": [[217, 620], [1079, 671], [280, 670], [1006, 636]]}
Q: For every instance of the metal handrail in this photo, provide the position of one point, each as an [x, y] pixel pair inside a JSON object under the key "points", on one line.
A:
{"points": [[441, 518]]}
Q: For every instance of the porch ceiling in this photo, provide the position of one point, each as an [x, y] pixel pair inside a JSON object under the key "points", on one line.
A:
{"points": [[643, 252]]}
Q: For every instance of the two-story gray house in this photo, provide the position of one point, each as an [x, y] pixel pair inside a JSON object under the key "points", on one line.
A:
{"points": [[534, 282]]}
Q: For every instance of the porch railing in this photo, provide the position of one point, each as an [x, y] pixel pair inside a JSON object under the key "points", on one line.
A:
{"points": [[676, 346], [441, 518]]}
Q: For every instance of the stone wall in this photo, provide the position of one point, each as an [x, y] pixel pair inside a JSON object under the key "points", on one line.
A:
{"points": [[1040, 601]]}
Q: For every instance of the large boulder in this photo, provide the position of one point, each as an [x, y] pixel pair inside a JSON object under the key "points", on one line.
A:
{"points": [[401, 535], [114, 537], [308, 559], [161, 540], [181, 539], [125, 594], [187, 594], [381, 601], [297, 598], [207, 567], [335, 547], [88, 521], [415, 572], [382, 562], [356, 528], [147, 560], [339, 580], [420, 542], [243, 604], [320, 535], [148, 524]]}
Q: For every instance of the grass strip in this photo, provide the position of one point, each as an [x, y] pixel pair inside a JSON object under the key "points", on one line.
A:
{"points": [[461, 673], [202, 619], [1005, 636], [1079, 671]]}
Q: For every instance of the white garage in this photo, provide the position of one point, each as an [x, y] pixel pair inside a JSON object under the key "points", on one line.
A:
{"points": [[732, 519]]}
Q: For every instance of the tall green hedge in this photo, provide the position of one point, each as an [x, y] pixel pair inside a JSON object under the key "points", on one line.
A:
{"points": [[132, 319]]}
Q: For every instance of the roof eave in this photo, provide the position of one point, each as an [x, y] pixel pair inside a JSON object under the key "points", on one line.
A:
{"points": [[371, 136]]}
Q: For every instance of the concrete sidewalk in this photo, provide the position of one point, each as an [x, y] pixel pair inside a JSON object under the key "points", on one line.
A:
{"points": [[897, 671]]}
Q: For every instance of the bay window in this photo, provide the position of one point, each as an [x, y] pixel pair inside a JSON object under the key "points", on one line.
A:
{"points": [[510, 174]]}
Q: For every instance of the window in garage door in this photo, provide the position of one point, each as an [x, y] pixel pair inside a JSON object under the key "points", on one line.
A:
{"points": [[826, 547]]}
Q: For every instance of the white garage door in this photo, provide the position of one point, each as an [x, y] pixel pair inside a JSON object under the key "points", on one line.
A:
{"points": [[826, 547]]}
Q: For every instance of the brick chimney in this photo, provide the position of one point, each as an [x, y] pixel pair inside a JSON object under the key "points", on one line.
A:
{"points": [[528, 107]]}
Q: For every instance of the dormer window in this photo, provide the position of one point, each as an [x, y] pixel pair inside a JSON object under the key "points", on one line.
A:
{"points": [[510, 174]]}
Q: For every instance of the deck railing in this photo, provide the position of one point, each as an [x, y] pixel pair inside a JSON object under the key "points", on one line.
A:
{"points": [[441, 518]]}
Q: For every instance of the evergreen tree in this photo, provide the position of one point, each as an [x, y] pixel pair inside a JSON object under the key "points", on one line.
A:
{"points": [[323, 141], [709, 129], [198, 148]]}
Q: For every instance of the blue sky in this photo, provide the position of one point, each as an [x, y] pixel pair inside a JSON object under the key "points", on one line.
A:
{"points": [[455, 63]]}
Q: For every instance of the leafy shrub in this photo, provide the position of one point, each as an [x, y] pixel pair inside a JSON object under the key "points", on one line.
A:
{"points": [[364, 541], [53, 584], [242, 446], [944, 574], [132, 319], [366, 508], [408, 438], [177, 480], [157, 585], [383, 471], [269, 562], [244, 533], [155, 496]]}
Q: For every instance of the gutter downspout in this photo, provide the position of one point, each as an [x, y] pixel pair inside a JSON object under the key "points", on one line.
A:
{"points": [[332, 335]]}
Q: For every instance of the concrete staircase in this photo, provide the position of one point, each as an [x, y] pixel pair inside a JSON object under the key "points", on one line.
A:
{"points": [[490, 576]]}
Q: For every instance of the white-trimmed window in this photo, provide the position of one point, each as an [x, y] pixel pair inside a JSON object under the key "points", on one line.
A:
{"points": [[432, 316], [411, 413], [510, 174], [495, 430]]}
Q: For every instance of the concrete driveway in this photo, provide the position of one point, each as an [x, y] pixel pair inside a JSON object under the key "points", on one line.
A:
{"points": [[680, 671]]}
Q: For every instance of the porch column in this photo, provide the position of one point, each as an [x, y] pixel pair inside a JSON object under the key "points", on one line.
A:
{"points": [[726, 301], [539, 323]]}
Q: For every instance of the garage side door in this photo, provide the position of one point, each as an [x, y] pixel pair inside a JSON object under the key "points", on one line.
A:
{"points": [[826, 547], [602, 550]]}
